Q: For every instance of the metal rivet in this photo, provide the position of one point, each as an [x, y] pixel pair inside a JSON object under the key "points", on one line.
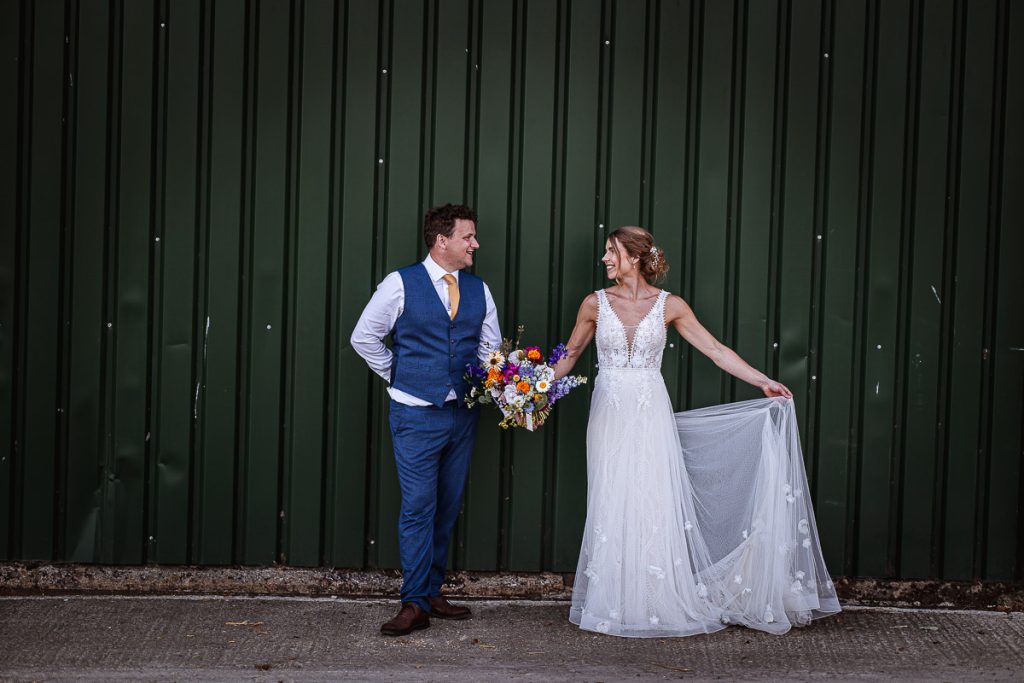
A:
{"points": [[775, 345], [157, 239], [879, 347], [826, 55], [110, 324], [383, 71], [268, 326], [819, 237], [380, 161], [607, 42]]}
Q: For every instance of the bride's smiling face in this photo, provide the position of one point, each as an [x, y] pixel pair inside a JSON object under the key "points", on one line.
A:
{"points": [[617, 263]]}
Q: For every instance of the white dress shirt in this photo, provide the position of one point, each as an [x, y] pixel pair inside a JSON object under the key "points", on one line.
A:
{"points": [[384, 309]]}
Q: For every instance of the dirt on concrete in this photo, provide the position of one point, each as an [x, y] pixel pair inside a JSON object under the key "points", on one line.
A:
{"points": [[26, 578]]}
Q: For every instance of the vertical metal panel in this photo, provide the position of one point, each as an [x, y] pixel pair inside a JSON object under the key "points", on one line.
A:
{"points": [[11, 214], [83, 449], [198, 198], [1004, 553]]}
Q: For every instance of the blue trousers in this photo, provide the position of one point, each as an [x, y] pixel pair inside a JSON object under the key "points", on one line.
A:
{"points": [[432, 453]]}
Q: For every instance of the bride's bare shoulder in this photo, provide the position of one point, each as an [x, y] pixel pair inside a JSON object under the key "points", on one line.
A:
{"points": [[675, 306], [589, 303]]}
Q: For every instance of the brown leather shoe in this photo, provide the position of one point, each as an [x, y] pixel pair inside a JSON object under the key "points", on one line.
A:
{"points": [[410, 618], [442, 609]]}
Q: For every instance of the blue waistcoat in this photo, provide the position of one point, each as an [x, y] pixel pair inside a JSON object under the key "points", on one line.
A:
{"points": [[431, 350]]}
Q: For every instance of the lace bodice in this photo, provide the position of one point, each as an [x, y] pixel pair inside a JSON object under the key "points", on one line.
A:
{"points": [[639, 346]]}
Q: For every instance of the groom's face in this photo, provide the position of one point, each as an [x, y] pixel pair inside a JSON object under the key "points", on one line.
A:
{"points": [[458, 249]]}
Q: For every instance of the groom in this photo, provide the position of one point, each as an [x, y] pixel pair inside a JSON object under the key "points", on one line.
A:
{"points": [[439, 319]]}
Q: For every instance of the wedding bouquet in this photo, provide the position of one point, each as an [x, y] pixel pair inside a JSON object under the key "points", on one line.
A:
{"points": [[520, 382]]}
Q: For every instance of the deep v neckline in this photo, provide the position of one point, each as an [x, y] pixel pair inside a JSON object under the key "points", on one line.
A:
{"points": [[615, 314]]}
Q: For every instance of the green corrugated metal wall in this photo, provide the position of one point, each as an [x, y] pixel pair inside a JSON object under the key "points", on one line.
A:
{"points": [[198, 197]]}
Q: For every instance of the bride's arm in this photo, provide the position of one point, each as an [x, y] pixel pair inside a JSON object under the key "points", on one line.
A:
{"points": [[582, 333], [679, 314]]}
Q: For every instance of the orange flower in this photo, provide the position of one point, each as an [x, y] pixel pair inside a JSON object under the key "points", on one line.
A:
{"points": [[494, 374], [534, 355], [523, 387]]}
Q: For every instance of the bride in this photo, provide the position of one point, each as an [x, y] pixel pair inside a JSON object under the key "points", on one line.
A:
{"points": [[695, 520]]}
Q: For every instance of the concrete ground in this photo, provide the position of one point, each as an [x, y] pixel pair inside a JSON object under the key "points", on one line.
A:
{"points": [[122, 637]]}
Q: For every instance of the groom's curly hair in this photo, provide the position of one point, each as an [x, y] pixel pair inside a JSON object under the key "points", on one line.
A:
{"points": [[440, 220]]}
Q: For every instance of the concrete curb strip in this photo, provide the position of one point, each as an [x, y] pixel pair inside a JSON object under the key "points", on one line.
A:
{"points": [[34, 578]]}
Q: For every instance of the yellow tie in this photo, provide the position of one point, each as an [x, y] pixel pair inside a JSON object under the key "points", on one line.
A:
{"points": [[453, 293]]}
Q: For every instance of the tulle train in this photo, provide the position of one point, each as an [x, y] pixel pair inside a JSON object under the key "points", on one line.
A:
{"points": [[695, 520]]}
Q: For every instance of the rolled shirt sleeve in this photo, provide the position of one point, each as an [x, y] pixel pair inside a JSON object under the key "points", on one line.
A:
{"points": [[376, 322], [490, 333]]}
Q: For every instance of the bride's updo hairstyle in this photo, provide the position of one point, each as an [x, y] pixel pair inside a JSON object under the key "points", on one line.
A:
{"points": [[639, 244]]}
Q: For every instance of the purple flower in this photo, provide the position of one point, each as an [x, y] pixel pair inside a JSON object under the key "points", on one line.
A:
{"points": [[557, 354]]}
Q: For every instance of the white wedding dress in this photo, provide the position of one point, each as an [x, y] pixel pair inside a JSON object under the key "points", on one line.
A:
{"points": [[695, 520]]}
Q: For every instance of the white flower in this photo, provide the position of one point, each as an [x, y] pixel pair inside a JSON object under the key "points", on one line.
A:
{"points": [[518, 356], [702, 590], [603, 626], [543, 385], [545, 372], [746, 591], [768, 615], [806, 543], [656, 571], [796, 588], [654, 620], [828, 584], [678, 562], [786, 488], [737, 579], [800, 575], [614, 614], [495, 360], [798, 493], [687, 526], [790, 499], [725, 619], [510, 392], [602, 538], [803, 526], [745, 534]]}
